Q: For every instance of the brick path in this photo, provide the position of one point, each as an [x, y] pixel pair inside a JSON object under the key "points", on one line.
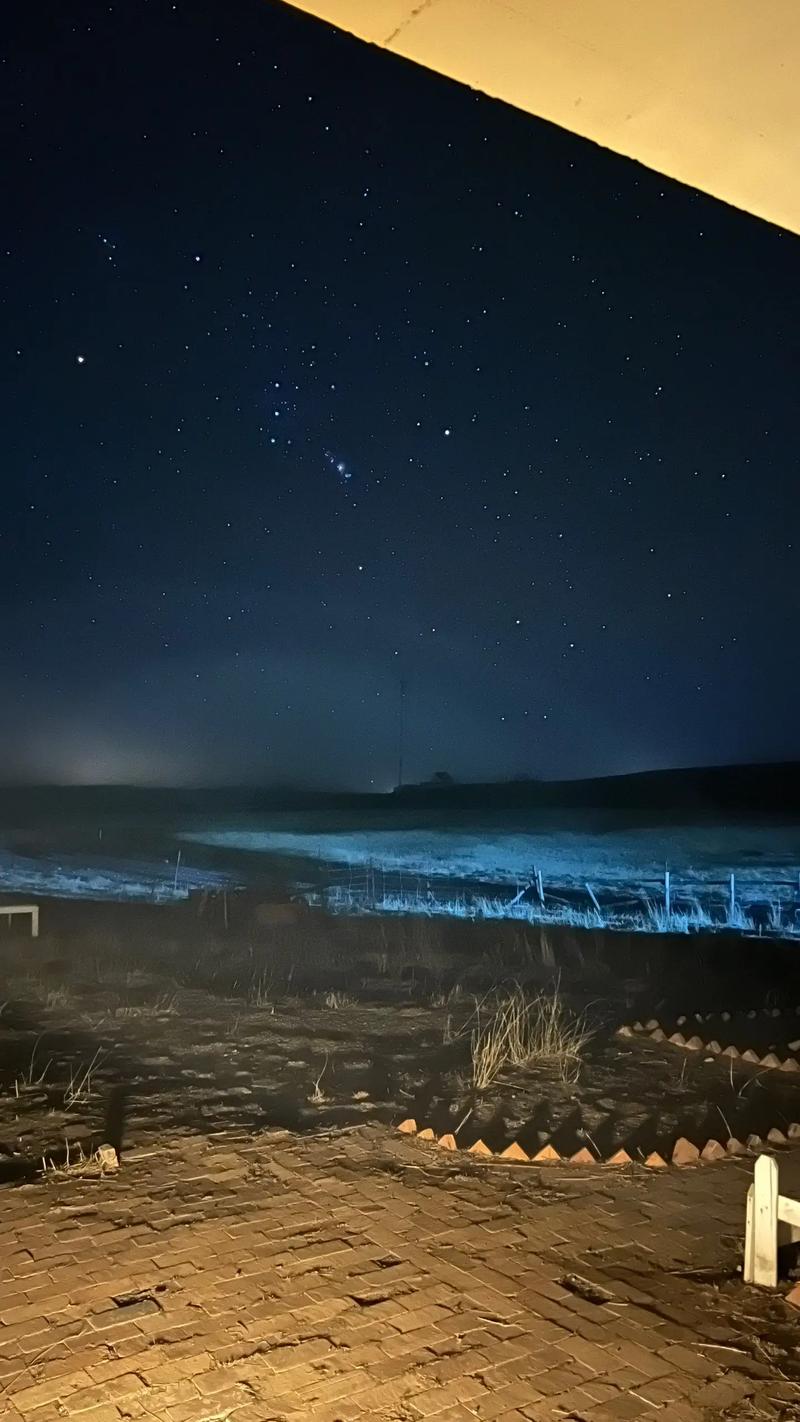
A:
{"points": [[242, 1279]]}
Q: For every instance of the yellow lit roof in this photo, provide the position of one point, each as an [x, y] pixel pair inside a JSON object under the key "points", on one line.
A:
{"points": [[705, 91]]}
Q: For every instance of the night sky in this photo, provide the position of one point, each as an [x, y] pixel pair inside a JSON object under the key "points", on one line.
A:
{"points": [[320, 372]]}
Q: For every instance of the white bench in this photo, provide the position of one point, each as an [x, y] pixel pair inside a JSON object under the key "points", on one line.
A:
{"points": [[32, 909], [772, 1220]]}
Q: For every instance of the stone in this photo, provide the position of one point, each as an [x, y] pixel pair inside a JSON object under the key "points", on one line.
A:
{"points": [[770, 1060], [448, 1142], [107, 1157], [729, 1052], [684, 1153], [694, 1044], [794, 1131], [750, 1056], [794, 1046], [698, 1017], [408, 1127], [638, 1027], [752, 1013], [620, 1157], [546, 1156], [791, 1064], [480, 1148], [776, 1012], [426, 1135], [793, 1296], [624, 1031], [776, 1137], [754, 1142], [514, 1152], [725, 1017], [678, 1040], [713, 1047], [652, 1024], [680, 1021], [713, 1150], [582, 1157], [735, 1147], [654, 1161], [657, 1035]]}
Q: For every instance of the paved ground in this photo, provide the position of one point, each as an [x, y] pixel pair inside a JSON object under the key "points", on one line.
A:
{"points": [[365, 1276]]}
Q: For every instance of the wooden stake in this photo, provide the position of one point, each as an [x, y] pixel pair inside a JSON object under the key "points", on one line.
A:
{"points": [[761, 1229]]}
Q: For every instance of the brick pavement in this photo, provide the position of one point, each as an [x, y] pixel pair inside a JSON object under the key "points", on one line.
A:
{"points": [[242, 1279]]}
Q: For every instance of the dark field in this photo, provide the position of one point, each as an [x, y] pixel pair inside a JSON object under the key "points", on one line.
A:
{"points": [[125, 1021]]}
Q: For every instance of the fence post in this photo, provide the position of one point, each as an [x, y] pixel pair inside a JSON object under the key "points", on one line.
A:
{"points": [[667, 895], [593, 897], [761, 1230], [732, 910]]}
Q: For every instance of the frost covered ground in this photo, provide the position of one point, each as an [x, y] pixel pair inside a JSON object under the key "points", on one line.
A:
{"points": [[614, 856], [594, 869], [600, 876], [68, 879]]}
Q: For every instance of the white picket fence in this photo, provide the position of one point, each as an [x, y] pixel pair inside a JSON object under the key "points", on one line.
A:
{"points": [[772, 1220]]}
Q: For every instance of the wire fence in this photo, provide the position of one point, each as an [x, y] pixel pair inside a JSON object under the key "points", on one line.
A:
{"points": [[749, 902]]}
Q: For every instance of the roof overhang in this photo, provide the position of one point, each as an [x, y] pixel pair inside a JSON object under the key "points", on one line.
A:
{"points": [[704, 91]]}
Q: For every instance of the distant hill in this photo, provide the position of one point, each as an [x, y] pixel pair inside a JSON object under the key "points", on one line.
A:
{"points": [[768, 789], [772, 789]]}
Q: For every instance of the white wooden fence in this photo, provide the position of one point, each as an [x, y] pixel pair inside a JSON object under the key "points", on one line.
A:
{"points": [[772, 1220], [32, 909]]}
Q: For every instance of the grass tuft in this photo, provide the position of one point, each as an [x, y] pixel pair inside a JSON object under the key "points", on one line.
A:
{"points": [[524, 1031], [334, 998]]}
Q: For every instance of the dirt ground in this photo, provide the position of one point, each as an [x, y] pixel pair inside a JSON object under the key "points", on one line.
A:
{"points": [[121, 1022]]}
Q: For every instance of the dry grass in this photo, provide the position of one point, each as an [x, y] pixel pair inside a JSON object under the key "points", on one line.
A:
{"points": [[79, 1090], [260, 991], [523, 1031], [318, 1097], [77, 1163], [165, 1005], [33, 1077], [334, 998], [488, 1047]]}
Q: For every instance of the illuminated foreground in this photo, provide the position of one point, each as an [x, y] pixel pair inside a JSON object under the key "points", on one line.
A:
{"points": [[240, 1280]]}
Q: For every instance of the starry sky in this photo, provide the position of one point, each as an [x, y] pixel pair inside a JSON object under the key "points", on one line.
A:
{"points": [[321, 373]]}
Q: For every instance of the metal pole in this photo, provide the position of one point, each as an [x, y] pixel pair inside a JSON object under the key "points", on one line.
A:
{"points": [[401, 733]]}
